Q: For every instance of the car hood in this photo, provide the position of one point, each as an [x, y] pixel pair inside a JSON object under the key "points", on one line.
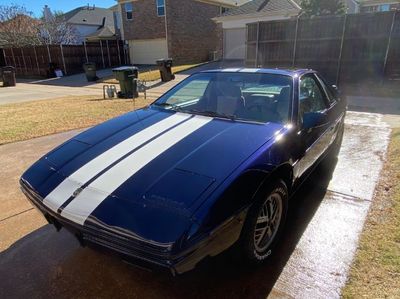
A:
{"points": [[145, 165]]}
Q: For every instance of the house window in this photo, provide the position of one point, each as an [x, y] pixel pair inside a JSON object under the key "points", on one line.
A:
{"points": [[129, 10], [384, 7], [160, 7], [223, 10]]}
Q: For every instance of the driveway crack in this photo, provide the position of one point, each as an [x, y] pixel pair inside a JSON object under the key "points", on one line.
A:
{"points": [[22, 212], [348, 196]]}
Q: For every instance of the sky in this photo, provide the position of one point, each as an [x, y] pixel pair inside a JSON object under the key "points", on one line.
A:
{"points": [[36, 6]]}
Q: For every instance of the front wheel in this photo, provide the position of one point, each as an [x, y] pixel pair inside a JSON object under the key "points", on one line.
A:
{"points": [[264, 223]]}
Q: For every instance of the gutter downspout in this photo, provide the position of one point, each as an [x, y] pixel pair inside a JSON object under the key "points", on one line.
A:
{"points": [[166, 27], [122, 21]]}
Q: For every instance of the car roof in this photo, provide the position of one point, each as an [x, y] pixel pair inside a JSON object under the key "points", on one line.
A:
{"points": [[277, 71]]}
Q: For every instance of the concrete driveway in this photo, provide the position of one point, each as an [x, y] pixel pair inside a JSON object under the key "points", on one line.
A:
{"points": [[45, 89], [25, 92], [33, 90], [325, 219]]}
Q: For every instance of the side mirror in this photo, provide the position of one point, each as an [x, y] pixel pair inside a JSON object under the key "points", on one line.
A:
{"points": [[314, 119], [335, 90]]}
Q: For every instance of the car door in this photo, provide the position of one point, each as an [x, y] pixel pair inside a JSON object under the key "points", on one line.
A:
{"points": [[337, 105], [315, 140]]}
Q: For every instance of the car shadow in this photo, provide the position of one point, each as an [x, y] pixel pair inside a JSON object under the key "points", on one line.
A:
{"points": [[79, 80], [75, 80], [49, 264]]}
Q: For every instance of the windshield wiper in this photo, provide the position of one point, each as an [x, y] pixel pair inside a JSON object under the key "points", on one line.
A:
{"points": [[212, 114], [169, 105]]}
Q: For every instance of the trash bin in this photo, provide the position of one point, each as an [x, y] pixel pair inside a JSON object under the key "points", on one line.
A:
{"points": [[90, 71], [165, 65], [8, 75], [127, 77]]}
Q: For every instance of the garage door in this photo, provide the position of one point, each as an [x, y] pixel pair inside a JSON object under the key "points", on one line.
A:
{"points": [[147, 51], [235, 43]]}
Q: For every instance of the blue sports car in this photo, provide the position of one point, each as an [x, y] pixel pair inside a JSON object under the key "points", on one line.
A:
{"points": [[211, 163]]}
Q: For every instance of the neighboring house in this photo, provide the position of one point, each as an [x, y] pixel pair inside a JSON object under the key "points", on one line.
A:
{"points": [[91, 21], [356, 6], [378, 5], [180, 29], [353, 6], [235, 19], [103, 33]]}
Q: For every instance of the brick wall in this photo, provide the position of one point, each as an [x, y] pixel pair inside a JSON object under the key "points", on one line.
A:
{"points": [[192, 34], [146, 24]]}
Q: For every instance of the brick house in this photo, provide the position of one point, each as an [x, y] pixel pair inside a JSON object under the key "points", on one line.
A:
{"points": [[378, 5], [180, 29]]}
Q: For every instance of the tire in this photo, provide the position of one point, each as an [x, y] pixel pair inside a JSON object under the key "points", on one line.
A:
{"points": [[253, 248]]}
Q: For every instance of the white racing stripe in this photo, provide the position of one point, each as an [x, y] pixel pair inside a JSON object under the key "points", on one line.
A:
{"points": [[65, 190], [92, 196]]}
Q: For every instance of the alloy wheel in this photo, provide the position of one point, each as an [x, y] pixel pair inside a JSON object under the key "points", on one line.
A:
{"points": [[268, 222]]}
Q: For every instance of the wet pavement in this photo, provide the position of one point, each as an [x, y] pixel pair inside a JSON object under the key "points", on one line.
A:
{"points": [[325, 219]]}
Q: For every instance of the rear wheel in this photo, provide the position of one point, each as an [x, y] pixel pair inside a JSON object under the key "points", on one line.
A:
{"points": [[264, 223]]}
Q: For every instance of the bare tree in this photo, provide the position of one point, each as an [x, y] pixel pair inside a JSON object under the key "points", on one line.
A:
{"points": [[54, 30], [313, 8], [17, 26]]}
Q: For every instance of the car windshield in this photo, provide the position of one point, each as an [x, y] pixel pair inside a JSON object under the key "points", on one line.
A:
{"points": [[253, 97]]}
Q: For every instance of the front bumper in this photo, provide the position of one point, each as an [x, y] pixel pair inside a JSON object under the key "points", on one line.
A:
{"points": [[140, 252]]}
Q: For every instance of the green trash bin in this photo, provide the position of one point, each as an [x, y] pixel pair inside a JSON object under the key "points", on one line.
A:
{"points": [[90, 71], [126, 76]]}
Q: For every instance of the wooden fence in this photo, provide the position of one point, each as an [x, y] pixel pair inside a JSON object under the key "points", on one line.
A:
{"points": [[34, 61], [349, 48]]}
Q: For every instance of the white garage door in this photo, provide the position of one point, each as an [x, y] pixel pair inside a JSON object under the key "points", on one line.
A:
{"points": [[147, 51], [235, 43]]}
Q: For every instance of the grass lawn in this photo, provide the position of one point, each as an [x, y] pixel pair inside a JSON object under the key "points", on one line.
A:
{"points": [[375, 272], [154, 74], [33, 119]]}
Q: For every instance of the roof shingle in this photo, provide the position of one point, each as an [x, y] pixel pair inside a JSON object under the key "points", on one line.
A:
{"points": [[256, 6], [89, 16]]}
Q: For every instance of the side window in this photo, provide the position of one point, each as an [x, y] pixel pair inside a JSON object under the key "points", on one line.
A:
{"points": [[160, 7], [129, 10], [311, 98], [327, 88]]}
